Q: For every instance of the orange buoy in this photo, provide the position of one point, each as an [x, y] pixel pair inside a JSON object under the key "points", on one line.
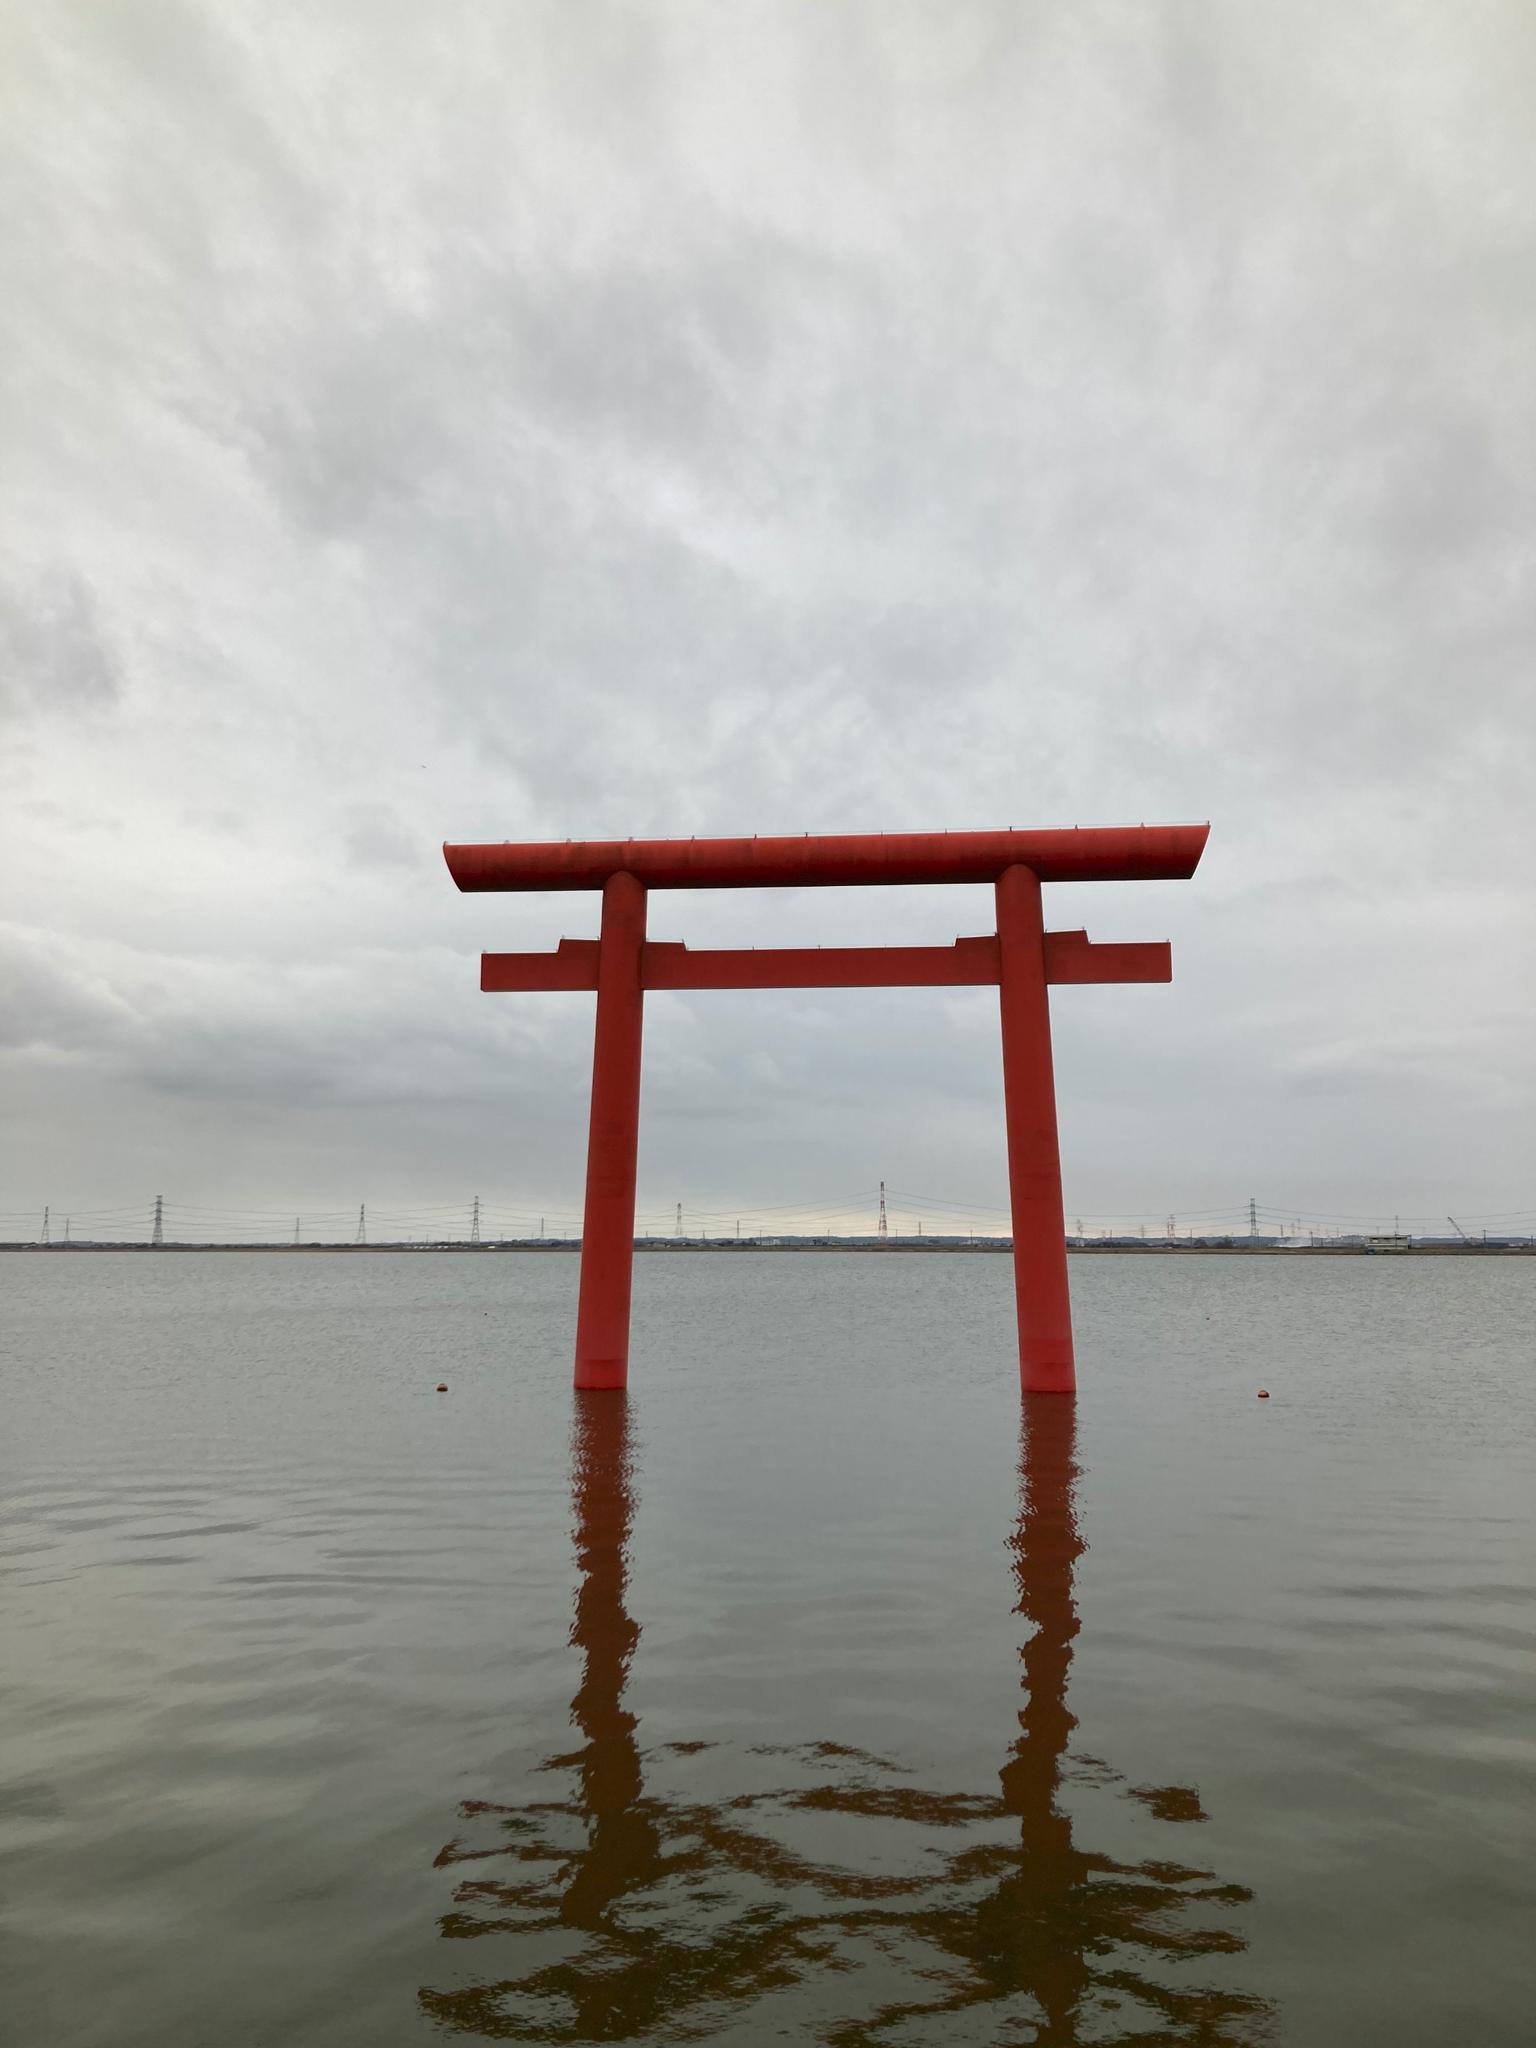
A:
{"points": [[1263, 1393]]}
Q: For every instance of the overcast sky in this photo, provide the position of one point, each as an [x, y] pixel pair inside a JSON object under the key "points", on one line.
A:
{"points": [[518, 421]]}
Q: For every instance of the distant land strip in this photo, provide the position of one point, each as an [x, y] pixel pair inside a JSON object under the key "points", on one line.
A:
{"points": [[924, 1246]]}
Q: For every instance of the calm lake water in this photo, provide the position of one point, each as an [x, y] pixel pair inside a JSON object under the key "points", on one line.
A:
{"points": [[799, 1697]]}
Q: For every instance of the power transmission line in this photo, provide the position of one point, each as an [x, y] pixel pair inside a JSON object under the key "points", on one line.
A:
{"points": [[176, 1224]]}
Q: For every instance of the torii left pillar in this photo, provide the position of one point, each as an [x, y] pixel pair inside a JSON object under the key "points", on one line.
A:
{"points": [[1034, 1151], [608, 1226], [613, 1141]]}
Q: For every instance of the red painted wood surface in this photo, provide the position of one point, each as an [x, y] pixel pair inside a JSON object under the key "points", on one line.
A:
{"points": [[1070, 957], [572, 966], [968, 962], [1074, 957], [1043, 1304], [1102, 853], [608, 1222]]}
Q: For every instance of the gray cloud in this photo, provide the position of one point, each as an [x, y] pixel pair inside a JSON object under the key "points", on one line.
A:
{"points": [[549, 421], [54, 656]]}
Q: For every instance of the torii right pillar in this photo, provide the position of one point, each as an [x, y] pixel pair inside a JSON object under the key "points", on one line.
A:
{"points": [[1034, 1151]]}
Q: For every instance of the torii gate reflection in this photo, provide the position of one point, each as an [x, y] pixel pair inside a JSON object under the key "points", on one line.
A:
{"points": [[694, 1913], [1021, 959]]}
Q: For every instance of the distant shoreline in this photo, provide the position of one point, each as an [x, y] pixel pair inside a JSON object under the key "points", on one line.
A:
{"points": [[924, 1245]]}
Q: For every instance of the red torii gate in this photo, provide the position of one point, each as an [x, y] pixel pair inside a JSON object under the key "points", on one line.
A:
{"points": [[1021, 959]]}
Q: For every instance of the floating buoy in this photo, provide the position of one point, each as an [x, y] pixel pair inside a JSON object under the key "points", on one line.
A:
{"points": [[1263, 1393], [442, 1386]]}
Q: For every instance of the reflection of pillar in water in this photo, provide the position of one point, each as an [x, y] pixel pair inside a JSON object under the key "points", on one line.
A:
{"points": [[621, 1839], [693, 1909], [1032, 1931]]}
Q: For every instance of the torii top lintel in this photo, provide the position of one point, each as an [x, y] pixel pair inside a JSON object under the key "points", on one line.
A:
{"points": [[1091, 853]]}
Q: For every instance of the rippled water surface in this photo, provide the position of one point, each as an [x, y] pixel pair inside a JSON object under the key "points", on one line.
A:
{"points": [[802, 1696]]}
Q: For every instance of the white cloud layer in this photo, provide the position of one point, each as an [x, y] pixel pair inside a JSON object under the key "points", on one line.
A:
{"points": [[482, 422]]}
